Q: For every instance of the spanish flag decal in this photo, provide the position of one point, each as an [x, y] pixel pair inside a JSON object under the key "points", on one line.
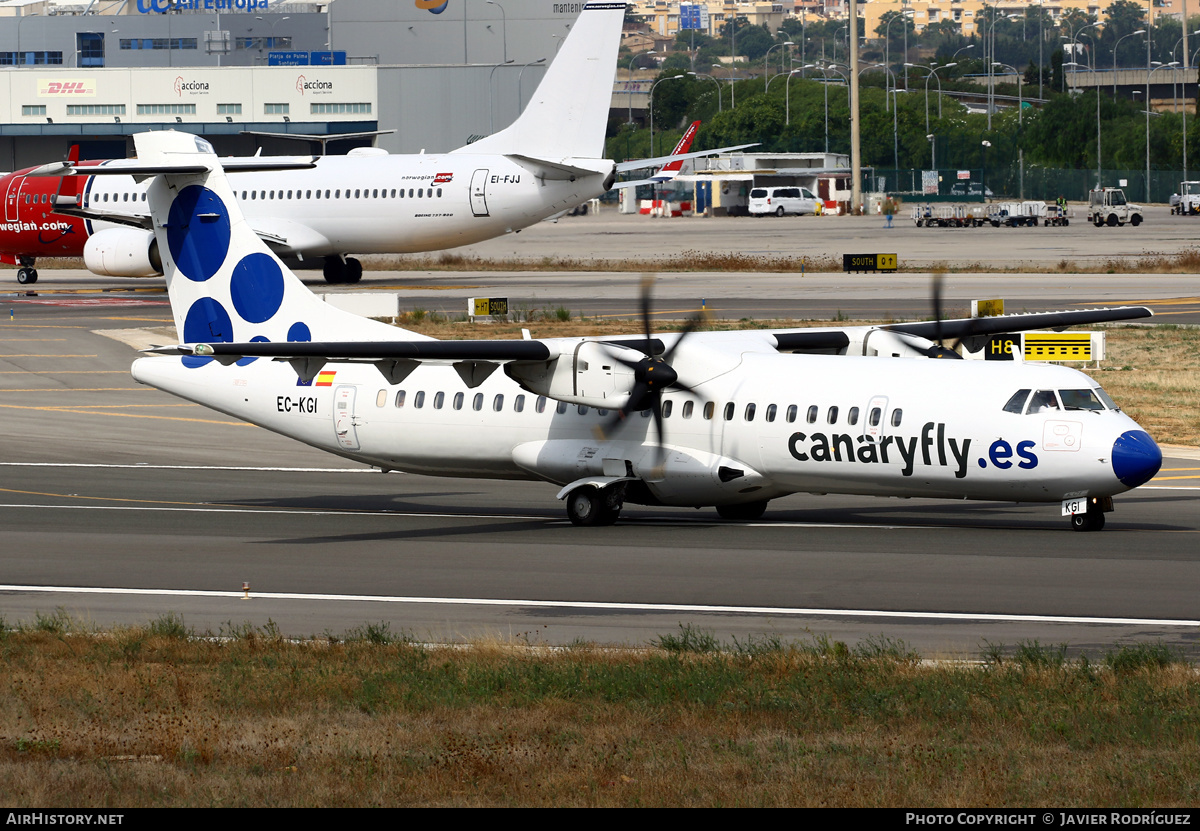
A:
{"points": [[325, 379]]}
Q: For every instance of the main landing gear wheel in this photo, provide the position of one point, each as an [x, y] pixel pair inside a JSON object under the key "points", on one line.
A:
{"points": [[1091, 521], [588, 506], [25, 276], [336, 271], [745, 511]]}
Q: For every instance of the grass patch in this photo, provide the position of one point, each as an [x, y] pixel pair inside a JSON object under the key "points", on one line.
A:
{"points": [[372, 718]]}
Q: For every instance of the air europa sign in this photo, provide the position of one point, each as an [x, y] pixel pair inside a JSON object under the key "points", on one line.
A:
{"points": [[164, 6]]}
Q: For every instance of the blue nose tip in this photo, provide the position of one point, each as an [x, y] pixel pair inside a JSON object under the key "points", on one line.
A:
{"points": [[1135, 458]]}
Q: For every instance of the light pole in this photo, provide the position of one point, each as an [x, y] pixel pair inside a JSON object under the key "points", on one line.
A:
{"points": [[18, 61], [631, 60], [1148, 74], [492, 96], [991, 38], [767, 62], [715, 81], [504, 25], [887, 41], [932, 139], [732, 101], [1021, 78], [895, 107], [787, 96], [1117, 46], [650, 105]]}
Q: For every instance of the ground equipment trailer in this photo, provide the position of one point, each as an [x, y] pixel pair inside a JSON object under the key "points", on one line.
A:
{"points": [[949, 216]]}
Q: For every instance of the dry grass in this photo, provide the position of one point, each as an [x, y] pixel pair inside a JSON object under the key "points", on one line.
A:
{"points": [[139, 719], [1153, 372], [1186, 261]]}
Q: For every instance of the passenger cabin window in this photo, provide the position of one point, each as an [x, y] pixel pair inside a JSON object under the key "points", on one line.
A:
{"points": [[852, 416], [561, 408], [477, 402], [729, 411], [811, 417], [1043, 401], [831, 416], [419, 400], [540, 406], [519, 404], [666, 409], [897, 417], [769, 415], [873, 418], [399, 398], [687, 409], [792, 412], [750, 412], [1016, 404], [458, 400], [381, 398], [438, 400], [498, 403], [709, 409]]}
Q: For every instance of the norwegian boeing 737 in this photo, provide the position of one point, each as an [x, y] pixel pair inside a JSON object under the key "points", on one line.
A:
{"points": [[725, 419], [549, 160]]}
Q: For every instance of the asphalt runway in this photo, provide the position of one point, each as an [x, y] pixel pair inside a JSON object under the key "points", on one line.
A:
{"points": [[119, 504]]}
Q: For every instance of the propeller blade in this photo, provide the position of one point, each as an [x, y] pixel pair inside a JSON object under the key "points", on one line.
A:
{"points": [[937, 308]]}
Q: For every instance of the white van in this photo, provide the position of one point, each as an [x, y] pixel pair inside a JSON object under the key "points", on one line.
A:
{"points": [[780, 201]]}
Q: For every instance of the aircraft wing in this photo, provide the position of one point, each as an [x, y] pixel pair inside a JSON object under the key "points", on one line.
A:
{"points": [[132, 167], [1003, 324], [641, 164]]}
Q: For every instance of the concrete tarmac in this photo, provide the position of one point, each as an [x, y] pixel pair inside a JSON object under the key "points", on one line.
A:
{"points": [[119, 503]]}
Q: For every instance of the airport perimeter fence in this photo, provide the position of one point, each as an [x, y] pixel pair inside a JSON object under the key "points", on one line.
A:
{"points": [[1041, 183]]}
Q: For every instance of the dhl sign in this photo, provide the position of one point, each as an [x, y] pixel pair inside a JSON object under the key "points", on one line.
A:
{"points": [[1047, 346], [74, 88]]}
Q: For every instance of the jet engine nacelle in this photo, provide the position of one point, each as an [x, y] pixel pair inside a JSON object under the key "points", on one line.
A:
{"points": [[589, 374], [123, 252]]}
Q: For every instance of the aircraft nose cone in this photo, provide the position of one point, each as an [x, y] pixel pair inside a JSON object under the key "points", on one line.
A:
{"points": [[1135, 458]]}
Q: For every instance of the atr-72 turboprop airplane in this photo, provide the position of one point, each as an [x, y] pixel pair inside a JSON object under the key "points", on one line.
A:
{"points": [[724, 419], [546, 162]]}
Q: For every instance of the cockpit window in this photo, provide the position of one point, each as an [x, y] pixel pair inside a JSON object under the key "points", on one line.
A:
{"points": [[1083, 399], [1016, 404], [1107, 399], [1042, 401]]}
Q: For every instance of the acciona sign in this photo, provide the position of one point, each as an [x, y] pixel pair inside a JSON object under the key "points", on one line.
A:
{"points": [[164, 6]]}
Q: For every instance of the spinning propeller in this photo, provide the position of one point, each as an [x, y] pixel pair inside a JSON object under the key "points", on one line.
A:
{"points": [[652, 375]]}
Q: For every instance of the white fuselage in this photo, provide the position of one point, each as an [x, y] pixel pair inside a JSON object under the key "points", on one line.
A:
{"points": [[381, 204], [761, 426]]}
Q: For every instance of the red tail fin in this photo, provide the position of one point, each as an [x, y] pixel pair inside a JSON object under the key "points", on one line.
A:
{"points": [[684, 145]]}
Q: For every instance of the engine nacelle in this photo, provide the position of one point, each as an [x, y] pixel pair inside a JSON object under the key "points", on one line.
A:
{"points": [[590, 374], [123, 252]]}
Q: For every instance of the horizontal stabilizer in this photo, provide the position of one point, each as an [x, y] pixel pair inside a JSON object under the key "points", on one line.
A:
{"points": [[642, 164]]}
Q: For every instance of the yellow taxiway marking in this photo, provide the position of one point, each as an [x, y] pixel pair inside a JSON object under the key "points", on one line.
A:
{"points": [[636, 313], [106, 498], [1165, 478], [68, 409], [29, 340], [419, 288], [150, 319], [3, 355], [1175, 469], [1162, 301], [81, 389], [67, 372]]}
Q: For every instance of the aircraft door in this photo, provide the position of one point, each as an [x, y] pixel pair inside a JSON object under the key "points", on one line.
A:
{"points": [[875, 418], [343, 417], [479, 193], [12, 198]]}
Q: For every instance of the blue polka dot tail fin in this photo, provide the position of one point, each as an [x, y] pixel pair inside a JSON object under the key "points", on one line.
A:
{"points": [[225, 284]]}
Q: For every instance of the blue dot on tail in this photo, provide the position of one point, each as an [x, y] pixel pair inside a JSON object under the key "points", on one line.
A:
{"points": [[248, 361], [256, 286], [299, 333], [198, 232], [206, 322]]}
